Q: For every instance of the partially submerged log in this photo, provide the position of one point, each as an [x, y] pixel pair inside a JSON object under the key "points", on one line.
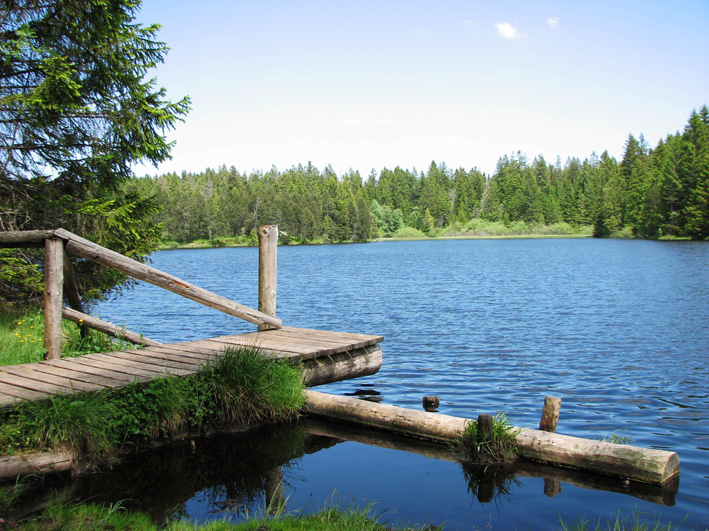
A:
{"points": [[400, 420], [629, 462]]}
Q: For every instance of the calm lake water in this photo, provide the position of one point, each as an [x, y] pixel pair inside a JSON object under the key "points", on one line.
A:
{"points": [[619, 330]]}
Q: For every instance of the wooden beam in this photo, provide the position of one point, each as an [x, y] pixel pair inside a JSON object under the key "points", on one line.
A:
{"points": [[629, 462], [343, 366], [267, 270], [107, 328], [24, 238], [53, 280], [91, 251]]}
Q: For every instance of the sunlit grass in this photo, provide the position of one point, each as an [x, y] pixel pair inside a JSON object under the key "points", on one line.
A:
{"points": [[67, 517], [22, 339]]}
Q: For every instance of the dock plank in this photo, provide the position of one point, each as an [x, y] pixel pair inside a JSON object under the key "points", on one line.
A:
{"points": [[158, 361], [114, 379], [28, 371], [32, 385], [150, 365], [91, 372], [96, 382]]}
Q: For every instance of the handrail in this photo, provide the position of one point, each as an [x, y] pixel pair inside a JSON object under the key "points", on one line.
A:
{"points": [[101, 255]]}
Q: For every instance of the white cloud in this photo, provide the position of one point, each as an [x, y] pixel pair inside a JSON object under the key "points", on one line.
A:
{"points": [[553, 22], [508, 31]]}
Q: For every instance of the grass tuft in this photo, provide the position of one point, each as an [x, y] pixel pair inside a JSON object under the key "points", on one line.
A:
{"points": [[249, 387], [500, 448]]}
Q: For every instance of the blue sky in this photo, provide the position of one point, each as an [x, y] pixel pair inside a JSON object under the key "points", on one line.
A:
{"points": [[372, 84]]}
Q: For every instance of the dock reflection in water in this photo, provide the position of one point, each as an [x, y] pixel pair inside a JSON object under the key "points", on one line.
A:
{"points": [[233, 476]]}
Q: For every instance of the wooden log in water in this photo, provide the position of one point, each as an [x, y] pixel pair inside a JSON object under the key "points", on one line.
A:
{"points": [[391, 418], [39, 463], [629, 462]]}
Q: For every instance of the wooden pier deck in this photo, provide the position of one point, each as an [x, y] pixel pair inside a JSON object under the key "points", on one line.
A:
{"points": [[325, 356]]}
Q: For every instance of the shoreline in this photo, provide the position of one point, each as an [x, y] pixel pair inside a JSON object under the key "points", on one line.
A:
{"points": [[200, 244]]}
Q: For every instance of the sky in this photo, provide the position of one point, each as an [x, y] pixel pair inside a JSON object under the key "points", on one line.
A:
{"points": [[376, 84]]}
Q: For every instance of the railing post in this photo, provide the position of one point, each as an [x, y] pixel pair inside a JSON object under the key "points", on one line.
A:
{"points": [[267, 270], [53, 281]]}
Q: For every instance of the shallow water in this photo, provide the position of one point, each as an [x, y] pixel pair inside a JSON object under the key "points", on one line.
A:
{"points": [[619, 330]]}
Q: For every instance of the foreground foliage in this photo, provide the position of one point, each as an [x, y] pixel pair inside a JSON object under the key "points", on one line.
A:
{"points": [[67, 517], [239, 387], [114, 518]]}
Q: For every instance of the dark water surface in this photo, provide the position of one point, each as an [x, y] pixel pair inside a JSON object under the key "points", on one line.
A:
{"points": [[619, 330]]}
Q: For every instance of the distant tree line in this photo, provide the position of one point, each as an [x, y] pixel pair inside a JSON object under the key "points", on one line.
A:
{"points": [[650, 193]]}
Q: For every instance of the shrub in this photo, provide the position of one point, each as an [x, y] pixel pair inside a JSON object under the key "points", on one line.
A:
{"points": [[408, 232]]}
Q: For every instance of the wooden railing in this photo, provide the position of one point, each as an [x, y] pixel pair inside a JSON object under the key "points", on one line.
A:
{"points": [[59, 283]]}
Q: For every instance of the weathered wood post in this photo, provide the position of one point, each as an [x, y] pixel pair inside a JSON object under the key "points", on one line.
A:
{"points": [[550, 414], [53, 281], [485, 426], [267, 270]]}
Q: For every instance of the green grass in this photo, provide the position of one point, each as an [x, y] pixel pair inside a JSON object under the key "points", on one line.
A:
{"points": [[619, 522], [240, 387], [617, 438], [22, 339], [67, 517], [83, 517], [500, 448]]}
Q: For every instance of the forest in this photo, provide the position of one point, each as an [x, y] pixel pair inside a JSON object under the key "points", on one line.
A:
{"points": [[654, 193]]}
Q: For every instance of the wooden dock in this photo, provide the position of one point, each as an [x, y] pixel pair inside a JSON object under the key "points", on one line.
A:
{"points": [[325, 357]]}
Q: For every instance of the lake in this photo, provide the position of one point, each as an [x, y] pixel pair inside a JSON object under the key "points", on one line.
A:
{"points": [[619, 330]]}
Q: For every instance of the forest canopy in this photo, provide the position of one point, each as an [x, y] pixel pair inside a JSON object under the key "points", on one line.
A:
{"points": [[650, 193]]}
